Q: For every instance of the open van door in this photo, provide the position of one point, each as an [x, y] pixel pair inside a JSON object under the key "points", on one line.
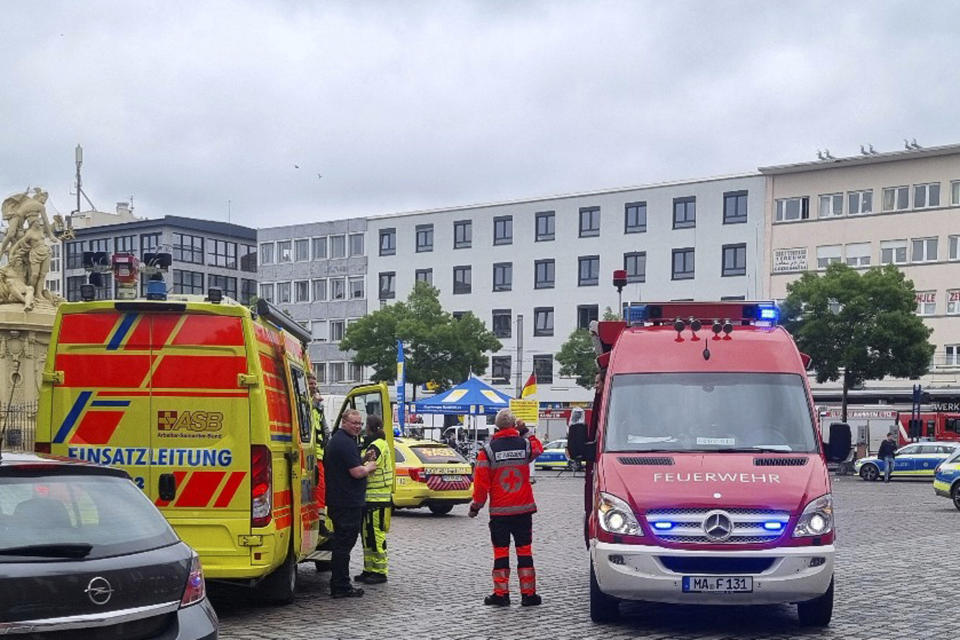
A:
{"points": [[372, 399]]}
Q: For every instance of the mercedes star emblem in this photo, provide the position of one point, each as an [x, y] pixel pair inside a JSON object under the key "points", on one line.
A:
{"points": [[718, 526], [99, 591]]}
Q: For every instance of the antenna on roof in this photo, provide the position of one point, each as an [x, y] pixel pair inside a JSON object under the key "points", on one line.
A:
{"points": [[872, 150], [826, 155], [863, 151], [914, 145], [820, 155]]}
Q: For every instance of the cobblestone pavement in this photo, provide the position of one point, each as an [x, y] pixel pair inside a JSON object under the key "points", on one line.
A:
{"points": [[896, 575]]}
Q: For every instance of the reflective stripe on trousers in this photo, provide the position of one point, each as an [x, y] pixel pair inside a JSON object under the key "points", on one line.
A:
{"points": [[376, 524]]}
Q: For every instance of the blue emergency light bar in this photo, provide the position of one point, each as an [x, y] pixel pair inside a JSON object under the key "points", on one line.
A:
{"points": [[767, 312]]}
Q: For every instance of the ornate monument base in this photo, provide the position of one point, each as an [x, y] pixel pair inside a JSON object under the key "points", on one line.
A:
{"points": [[24, 339]]}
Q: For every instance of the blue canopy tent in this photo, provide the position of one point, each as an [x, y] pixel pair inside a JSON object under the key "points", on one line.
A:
{"points": [[473, 397]]}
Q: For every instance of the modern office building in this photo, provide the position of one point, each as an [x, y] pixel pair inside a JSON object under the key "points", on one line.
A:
{"points": [[205, 254], [899, 208], [317, 273], [550, 261]]}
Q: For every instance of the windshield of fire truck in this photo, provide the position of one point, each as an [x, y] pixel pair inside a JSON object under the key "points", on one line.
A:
{"points": [[709, 412]]}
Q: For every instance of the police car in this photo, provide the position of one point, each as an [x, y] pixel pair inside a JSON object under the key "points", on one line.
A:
{"points": [[554, 455], [915, 460], [946, 480]]}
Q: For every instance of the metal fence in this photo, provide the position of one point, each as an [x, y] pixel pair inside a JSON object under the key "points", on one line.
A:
{"points": [[18, 422]]}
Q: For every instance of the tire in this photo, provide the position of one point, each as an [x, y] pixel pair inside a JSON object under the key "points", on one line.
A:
{"points": [[869, 472], [440, 509], [280, 587], [817, 612], [955, 495], [603, 608]]}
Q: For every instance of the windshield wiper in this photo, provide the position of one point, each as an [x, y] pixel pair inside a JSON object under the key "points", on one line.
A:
{"points": [[57, 550], [753, 450]]}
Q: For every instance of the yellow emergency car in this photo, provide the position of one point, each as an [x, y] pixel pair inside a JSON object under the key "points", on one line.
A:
{"points": [[430, 474], [205, 404]]}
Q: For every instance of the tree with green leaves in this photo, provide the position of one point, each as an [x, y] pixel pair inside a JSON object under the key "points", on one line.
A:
{"points": [[437, 346], [858, 326], [578, 357]]}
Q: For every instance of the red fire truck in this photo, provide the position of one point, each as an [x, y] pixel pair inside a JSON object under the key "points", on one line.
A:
{"points": [[706, 478]]}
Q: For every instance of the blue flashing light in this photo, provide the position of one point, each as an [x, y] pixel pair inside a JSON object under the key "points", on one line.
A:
{"points": [[636, 314], [769, 314], [773, 525], [156, 290], [662, 525]]}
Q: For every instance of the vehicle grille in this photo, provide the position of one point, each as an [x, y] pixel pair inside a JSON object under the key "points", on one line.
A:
{"points": [[646, 460], [779, 462], [716, 565], [133, 630], [687, 525]]}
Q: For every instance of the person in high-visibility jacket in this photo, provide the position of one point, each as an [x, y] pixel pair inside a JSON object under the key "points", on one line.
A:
{"points": [[503, 473], [319, 424], [376, 514]]}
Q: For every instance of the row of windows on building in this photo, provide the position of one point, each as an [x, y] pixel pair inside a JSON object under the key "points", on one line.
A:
{"points": [[500, 369], [316, 290], [306, 249], [733, 263], [338, 372], [832, 205], [183, 282], [186, 248], [545, 224], [860, 254]]}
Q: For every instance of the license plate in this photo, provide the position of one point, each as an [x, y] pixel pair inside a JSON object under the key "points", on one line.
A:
{"points": [[717, 584], [452, 478]]}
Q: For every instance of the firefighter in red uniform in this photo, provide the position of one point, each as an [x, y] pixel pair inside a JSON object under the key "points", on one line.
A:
{"points": [[503, 472]]}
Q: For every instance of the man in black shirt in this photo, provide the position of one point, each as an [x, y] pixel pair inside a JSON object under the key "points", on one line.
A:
{"points": [[346, 477], [886, 453]]}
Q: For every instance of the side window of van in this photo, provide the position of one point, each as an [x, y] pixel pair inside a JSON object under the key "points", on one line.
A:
{"points": [[302, 399]]}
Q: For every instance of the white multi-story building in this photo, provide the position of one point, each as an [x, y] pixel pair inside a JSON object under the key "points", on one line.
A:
{"points": [[551, 260]]}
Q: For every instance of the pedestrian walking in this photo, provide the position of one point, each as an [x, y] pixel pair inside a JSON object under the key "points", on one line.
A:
{"points": [[376, 513], [346, 476], [503, 474], [886, 453]]}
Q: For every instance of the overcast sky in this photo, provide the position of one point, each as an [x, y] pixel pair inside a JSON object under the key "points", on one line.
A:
{"points": [[407, 105]]}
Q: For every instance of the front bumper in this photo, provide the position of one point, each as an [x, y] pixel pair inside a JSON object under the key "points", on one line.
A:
{"points": [[941, 488], [638, 574]]}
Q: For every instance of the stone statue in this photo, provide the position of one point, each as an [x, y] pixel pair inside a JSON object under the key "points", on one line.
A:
{"points": [[23, 279]]}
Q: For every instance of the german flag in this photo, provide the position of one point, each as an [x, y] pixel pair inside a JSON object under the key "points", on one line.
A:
{"points": [[530, 388]]}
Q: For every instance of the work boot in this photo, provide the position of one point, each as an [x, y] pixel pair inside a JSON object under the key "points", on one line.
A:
{"points": [[361, 577], [352, 592], [375, 578], [497, 600], [530, 600]]}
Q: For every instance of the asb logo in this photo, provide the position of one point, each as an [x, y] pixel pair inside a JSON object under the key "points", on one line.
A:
{"points": [[189, 421]]}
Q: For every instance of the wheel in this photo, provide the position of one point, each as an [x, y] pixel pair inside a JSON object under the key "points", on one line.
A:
{"points": [[817, 612], [440, 509], [603, 608], [955, 495], [280, 586], [869, 472]]}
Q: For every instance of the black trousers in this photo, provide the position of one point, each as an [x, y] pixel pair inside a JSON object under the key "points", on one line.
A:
{"points": [[520, 528], [346, 528]]}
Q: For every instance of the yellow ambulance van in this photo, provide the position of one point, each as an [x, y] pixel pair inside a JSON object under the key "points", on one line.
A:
{"points": [[204, 402]]}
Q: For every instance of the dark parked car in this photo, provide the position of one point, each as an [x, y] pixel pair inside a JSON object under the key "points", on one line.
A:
{"points": [[85, 554]]}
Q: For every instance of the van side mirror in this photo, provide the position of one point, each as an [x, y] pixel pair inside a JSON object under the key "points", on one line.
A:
{"points": [[580, 450], [167, 488], [840, 443]]}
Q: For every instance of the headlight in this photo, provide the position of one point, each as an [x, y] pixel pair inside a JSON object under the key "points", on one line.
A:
{"points": [[816, 519], [616, 516]]}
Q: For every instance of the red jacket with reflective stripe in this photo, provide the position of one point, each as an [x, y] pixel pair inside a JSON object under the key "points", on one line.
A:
{"points": [[503, 473]]}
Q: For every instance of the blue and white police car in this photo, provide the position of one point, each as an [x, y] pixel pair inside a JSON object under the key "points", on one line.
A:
{"points": [[946, 480], [915, 460], [554, 455]]}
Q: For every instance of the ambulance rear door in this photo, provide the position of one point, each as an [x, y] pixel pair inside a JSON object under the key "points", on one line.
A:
{"points": [[372, 399], [99, 401], [200, 432]]}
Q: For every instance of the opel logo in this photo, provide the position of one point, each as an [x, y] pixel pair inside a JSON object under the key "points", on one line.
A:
{"points": [[718, 526], [99, 591]]}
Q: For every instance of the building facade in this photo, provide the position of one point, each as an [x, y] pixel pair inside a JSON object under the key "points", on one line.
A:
{"points": [[897, 208], [204, 254], [317, 273], [541, 268]]}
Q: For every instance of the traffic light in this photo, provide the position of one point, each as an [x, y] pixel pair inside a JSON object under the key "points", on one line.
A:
{"points": [[915, 427]]}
